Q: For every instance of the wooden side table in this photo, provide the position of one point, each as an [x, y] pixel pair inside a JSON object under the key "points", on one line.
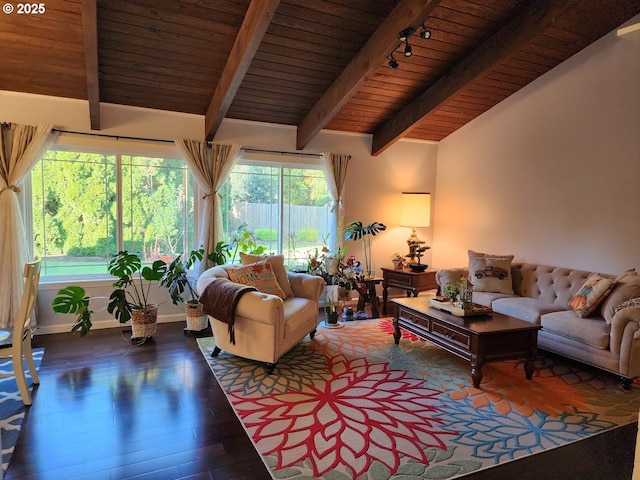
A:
{"points": [[368, 295], [406, 279]]}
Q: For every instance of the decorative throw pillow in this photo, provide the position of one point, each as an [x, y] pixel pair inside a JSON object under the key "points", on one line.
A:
{"points": [[259, 275], [634, 302], [490, 273], [277, 264], [627, 288], [592, 293]]}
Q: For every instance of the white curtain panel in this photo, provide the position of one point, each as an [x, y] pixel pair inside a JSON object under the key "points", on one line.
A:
{"points": [[336, 173], [211, 164], [21, 146]]}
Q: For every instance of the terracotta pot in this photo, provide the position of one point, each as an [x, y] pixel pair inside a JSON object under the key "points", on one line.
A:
{"points": [[144, 322]]}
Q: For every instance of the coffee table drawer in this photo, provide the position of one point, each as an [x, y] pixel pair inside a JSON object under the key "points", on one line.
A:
{"points": [[449, 335]]}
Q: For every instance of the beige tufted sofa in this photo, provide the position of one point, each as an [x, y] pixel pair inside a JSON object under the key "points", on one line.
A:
{"points": [[267, 327], [606, 339]]}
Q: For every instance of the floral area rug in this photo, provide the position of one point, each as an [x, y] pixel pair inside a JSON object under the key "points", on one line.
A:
{"points": [[352, 404], [12, 409]]}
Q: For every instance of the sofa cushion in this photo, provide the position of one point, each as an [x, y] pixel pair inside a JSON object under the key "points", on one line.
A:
{"points": [[628, 288], [593, 331], [591, 295], [524, 308], [259, 275], [487, 298], [277, 263], [491, 273]]}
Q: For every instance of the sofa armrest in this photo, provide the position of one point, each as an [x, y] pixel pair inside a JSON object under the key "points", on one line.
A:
{"points": [[448, 275], [306, 286], [625, 327]]}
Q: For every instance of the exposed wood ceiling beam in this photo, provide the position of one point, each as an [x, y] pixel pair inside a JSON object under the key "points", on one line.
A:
{"points": [[367, 60], [90, 37], [254, 26], [523, 26]]}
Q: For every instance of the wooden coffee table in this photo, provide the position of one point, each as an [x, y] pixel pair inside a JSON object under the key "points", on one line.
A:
{"points": [[478, 339]]}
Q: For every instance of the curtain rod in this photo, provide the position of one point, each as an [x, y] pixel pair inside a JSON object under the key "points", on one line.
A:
{"points": [[117, 137], [260, 150]]}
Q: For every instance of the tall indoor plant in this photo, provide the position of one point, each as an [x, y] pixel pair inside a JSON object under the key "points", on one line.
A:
{"points": [[128, 301], [357, 231], [180, 283]]}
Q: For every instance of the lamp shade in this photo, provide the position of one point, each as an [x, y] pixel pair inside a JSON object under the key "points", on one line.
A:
{"points": [[415, 209]]}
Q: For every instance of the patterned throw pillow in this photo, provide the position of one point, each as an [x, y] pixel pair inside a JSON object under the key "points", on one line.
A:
{"points": [[259, 275], [592, 293], [634, 302], [277, 263], [490, 273]]}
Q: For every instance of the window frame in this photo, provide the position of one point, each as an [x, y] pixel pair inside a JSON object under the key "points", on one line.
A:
{"points": [[117, 148]]}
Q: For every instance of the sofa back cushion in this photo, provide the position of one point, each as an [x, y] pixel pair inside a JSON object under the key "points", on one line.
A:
{"points": [[555, 285]]}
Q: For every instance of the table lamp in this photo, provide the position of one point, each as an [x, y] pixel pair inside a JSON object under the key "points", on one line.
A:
{"points": [[415, 213]]}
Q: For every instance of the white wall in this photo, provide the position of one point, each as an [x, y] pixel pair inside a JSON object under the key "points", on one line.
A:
{"points": [[552, 174]]}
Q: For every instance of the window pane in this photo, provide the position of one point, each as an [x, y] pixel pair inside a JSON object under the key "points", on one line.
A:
{"points": [[156, 207], [306, 214], [74, 221], [294, 226]]}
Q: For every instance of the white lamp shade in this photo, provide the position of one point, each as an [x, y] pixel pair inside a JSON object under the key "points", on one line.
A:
{"points": [[415, 210]]}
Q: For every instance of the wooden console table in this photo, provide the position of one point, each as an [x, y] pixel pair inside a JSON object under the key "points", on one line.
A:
{"points": [[406, 279], [479, 339]]}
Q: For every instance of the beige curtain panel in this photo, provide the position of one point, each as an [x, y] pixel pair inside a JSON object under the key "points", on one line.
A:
{"points": [[21, 146], [211, 164], [336, 172]]}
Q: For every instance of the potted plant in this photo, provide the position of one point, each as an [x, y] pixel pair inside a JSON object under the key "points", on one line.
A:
{"points": [[397, 260], [179, 282], [357, 231], [331, 308], [452, 290], [244, 241], [128, 301]]}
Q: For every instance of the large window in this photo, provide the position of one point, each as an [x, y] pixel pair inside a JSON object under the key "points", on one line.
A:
{"points": [[285, 205], [88, 206]]}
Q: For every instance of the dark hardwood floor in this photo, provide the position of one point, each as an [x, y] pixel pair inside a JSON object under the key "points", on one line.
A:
{"points": [[156, 412]]}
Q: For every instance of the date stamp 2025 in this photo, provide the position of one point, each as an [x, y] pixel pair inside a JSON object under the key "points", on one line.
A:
{"points": [[24, 8]]}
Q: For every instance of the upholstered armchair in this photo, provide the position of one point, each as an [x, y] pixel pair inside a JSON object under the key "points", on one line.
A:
{"points": [[267, 326]]}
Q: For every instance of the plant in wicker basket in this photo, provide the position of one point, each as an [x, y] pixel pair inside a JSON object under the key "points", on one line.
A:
{"points": [[128, 301], [181, 284]]}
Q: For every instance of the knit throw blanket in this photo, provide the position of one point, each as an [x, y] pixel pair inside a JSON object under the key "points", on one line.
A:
{"points": [[220, 299]]}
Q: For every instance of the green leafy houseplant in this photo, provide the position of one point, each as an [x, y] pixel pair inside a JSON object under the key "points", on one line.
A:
{"points": [[357, 231], [244, 240], [131, 292]]}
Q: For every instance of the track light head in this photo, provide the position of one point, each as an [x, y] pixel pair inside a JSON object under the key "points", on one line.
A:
{"points": [[425, 33], [393, 63], [403, 35], [407, 50]]}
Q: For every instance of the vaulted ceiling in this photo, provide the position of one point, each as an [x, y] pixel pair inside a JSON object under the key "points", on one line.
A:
{"points": [[313, 64]]}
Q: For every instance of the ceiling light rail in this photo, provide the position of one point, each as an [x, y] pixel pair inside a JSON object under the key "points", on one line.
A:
{"points": [[404, 36]]}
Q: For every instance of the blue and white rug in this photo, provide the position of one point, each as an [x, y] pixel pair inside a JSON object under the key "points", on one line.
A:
{"points": [[12, 409]]}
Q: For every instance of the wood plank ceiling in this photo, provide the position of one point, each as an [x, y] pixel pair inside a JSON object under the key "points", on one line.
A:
{"points": [[313, 64]]}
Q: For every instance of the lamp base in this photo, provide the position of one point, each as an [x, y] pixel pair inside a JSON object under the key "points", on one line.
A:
{"points": [[418, 267]]}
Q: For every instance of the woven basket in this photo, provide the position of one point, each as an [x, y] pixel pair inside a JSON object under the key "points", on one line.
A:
{"points": [[144, 322], [197, 320]]}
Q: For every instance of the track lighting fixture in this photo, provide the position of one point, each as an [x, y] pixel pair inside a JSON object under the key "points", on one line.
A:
{"points": [[425, 33], [393, 63], [407, 49], [403, 37]]}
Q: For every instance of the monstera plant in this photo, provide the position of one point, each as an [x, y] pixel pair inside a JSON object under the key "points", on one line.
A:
{"points": [[129, 299], [358, 231]]}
